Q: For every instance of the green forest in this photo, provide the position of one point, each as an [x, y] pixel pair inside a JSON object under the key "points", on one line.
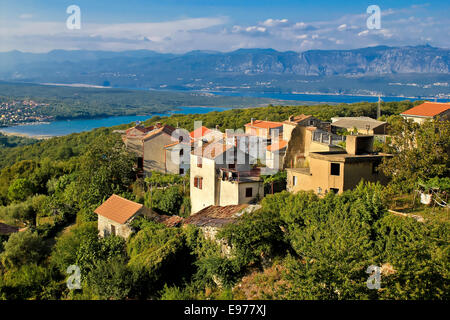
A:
{"points": [[65, 102], [296, 246]]}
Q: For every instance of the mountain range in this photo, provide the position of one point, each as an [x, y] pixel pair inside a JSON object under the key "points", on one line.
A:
{"points": [[380, 69]]}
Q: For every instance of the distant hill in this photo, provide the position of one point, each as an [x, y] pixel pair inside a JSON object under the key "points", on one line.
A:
{"points": [[247, 69]]}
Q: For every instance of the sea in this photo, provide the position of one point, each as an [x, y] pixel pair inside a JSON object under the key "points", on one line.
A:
{"points": [[65, 127]]}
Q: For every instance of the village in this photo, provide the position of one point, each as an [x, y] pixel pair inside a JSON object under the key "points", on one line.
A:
{"points": [[20, 112], [226, 168]]}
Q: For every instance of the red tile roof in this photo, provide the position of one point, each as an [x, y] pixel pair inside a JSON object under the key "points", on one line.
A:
{"points": [[199, 132], [212, 150], [280, 144], [118, 209], [164, 129], [264, 124], [299, 118], [215, 216], [427, 109], [168, 221], [6, 229]]}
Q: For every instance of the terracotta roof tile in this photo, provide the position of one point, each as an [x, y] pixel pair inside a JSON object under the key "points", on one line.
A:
{"points": [[264, 124], [165, 129], [212, 150], [215, 216], [168, 221], [118, 209], [277, 145], [199, 132], [427, 109], [299, 118]]}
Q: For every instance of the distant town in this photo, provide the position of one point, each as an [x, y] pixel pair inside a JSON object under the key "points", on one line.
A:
{"points": [[18, 112]]}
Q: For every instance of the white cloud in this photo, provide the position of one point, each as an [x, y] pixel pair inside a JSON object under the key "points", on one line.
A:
{"points": [[342, 27], [363, 33], [26, 16]]}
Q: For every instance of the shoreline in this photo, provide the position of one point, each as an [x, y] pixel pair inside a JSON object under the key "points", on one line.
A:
{"points": [[24, 135]]}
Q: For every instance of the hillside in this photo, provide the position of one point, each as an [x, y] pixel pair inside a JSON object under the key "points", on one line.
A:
{"points": [[387, 70]]}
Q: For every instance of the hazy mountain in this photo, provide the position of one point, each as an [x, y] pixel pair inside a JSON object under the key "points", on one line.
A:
{"points": [[213, 70]]}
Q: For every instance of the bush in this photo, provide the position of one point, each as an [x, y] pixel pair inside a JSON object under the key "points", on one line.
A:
{"points": [[23, 248]]}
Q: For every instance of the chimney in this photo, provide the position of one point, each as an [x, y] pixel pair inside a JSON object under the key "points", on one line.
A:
{"points": [[291, 118], [356, 145], [252, 120], [217, 127]]}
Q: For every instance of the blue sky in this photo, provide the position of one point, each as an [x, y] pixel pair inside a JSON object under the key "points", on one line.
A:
{"points": [[181, 26]]}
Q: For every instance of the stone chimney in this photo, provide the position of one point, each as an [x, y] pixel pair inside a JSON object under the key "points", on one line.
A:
{"points": [[291, 118], [355, 144], [252, 120]]}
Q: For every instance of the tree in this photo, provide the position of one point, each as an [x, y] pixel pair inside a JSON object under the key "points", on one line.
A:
{"points": [[111, 279], [20, 190], [23, 248], [420, 151]]}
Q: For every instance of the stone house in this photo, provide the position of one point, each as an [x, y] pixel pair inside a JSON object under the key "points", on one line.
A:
{"points": [[213, 218], [338, 171], [221, 175], [116, 214], [428, 110]]}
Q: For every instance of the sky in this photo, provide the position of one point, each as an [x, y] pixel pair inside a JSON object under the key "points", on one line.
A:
{"points": [[179, 26]]}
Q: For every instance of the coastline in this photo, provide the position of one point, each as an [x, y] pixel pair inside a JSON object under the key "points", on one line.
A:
{"points": [[24, 135]]}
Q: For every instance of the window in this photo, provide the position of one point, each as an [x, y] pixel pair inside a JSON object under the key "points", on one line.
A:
{"points": [[232, 166], [335, 169], [198, 182], [335, 190], [181, 152], [248, 192], [181, 170], [199, 162], [294, 180], [311, 122], [180, 138], [140, 163], [113, 230]]}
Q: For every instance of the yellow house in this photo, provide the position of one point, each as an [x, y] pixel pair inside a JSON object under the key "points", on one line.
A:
{"points": [[338, 171]]}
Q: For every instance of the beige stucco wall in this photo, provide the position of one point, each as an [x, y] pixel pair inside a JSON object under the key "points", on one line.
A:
{"points": [[134, 145], [173, 160], [351, 173], [202, 198], [154, 152]]}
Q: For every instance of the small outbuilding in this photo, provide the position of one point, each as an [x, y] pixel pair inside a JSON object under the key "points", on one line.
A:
{"points": [[116, 214]]}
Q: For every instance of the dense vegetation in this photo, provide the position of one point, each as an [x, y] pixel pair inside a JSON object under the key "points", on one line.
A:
{"points": [[14, 141], [79, 102], [295, 247]]}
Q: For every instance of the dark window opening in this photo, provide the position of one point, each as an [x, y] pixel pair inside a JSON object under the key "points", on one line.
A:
{"points": [[140, 163], [113, 230], [335, 169], [232, 166], [181, 170], [248, 192], [335, 190], [198, 182], [180, 138], [181, 152]]}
